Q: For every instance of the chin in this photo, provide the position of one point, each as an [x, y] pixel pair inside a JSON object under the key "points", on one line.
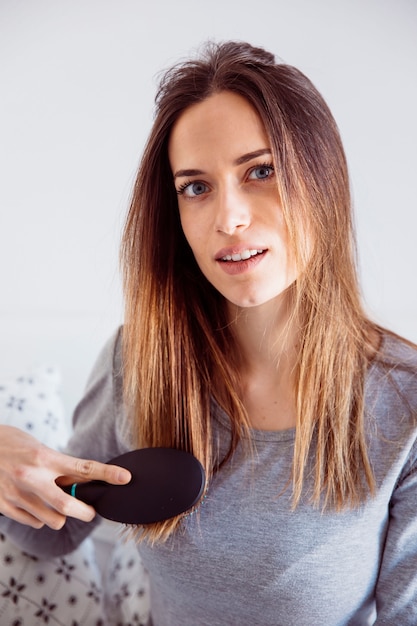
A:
{"points": [[253, 300], [256, 301]]}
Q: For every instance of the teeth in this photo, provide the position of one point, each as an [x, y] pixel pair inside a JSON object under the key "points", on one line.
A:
{"points": [[246, 254]]}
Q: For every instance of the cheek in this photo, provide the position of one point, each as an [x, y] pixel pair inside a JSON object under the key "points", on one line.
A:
{"points": [[193, 231], [185, 225]]}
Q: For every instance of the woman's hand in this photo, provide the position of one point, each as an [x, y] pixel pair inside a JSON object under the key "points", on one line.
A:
{"points": [[29, 476]]}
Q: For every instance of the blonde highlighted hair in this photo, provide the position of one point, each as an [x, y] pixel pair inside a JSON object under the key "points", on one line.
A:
{"points": [[176, 330]]}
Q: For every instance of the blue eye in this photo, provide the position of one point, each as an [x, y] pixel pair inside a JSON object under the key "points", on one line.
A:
{"points": [[191, 190], [261, 172]]}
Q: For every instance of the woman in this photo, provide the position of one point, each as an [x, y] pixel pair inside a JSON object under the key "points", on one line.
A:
{"points": [[245, 342]]}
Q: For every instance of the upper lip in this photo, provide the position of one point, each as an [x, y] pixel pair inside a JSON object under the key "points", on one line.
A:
{"points": [[237, 249]]}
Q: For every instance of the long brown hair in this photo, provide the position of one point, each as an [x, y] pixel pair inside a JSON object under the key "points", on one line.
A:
{"points": [[176, 332]]}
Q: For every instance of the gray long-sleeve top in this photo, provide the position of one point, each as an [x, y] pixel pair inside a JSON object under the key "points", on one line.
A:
{"points": [[245, 557]]}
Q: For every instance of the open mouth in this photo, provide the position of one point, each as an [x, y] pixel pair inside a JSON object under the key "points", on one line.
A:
{"points": [[242, 256]]}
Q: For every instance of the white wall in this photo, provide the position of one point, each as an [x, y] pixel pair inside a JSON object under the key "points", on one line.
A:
{"points": [[77, 81]]}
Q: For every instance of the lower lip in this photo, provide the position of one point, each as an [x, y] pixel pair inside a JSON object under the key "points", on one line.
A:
{"points": [[241, 267]]}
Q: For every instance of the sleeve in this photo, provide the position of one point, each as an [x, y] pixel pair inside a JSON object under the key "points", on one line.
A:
{"points": [[396, 593], [100, 433]]}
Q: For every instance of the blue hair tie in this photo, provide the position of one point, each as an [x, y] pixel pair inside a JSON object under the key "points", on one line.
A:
{"points": [[74, 486]]}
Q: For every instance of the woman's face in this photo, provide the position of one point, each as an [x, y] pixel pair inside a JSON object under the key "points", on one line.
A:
{"points": [[228, 200]]}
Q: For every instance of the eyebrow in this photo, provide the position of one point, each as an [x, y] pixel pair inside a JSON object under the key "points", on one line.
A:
{"points": [[245, 158]]}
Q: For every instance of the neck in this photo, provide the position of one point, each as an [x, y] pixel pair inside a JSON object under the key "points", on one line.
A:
{"points": [[267, 342], [265, 334]]}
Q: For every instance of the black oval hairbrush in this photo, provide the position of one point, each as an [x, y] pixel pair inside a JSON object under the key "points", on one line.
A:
{"points": [[165, 482]]}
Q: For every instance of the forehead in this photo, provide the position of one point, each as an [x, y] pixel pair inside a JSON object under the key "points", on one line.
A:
{"points": [[224, 124]]}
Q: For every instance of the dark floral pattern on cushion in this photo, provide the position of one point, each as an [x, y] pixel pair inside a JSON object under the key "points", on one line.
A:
{"points": [[70, 590], [126, 587], [63, 591]]}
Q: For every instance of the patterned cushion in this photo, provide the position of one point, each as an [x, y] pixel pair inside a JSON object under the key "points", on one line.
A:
{"points": [[64, 591], [126, 586], [32, 402]]}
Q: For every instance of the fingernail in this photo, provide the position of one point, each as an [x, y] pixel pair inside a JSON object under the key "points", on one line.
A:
{"points": [[124, 476]]}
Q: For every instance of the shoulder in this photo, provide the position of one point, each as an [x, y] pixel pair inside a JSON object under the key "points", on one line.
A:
{"points": [[398, 351], [391, 385], [109, 366], [391, 406], [101, 407], [110, 356], [396, 362]]}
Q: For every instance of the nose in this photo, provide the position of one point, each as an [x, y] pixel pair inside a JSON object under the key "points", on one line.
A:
{"points": [[232, 211]]}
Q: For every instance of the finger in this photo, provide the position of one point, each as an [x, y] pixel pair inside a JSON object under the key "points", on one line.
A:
{"points": [[28, 509], [22, 516], [62, 506], [51, 508], [81, 470]]}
